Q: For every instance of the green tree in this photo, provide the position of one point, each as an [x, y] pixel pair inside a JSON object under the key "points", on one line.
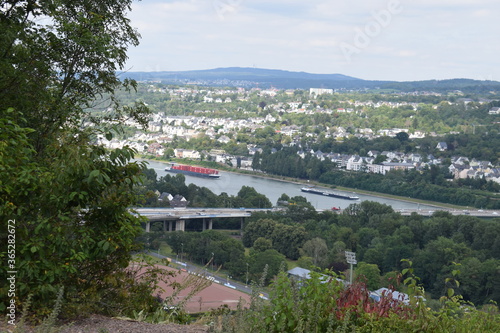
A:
{"points": [[316, 249], [262, 244], [368, 273], [256, 161], [249, 197], [375, 254], [300, 210], [69, 198], [228, 253], [402, 136], [258, 260], [431, 263], [288, 239], [305, 262], [169, 152], [255, 229], [472, 280], [379, 159]]}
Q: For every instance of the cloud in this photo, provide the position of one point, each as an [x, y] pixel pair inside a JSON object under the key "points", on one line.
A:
{"points": [[425, 38], [407, 53], [482, 13]]}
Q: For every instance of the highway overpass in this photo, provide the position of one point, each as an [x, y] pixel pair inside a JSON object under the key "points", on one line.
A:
{"points": [[472, 212], [175, 218]]}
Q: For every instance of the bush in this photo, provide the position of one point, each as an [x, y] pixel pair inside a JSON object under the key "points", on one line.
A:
{"points": [[323, 304]]}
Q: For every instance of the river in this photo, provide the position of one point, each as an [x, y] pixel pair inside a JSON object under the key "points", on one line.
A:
{"points": [[231, 183]]}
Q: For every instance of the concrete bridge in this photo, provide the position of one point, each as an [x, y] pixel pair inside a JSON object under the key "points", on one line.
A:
{"points": [[429, 212], [472, 212], [175, 218]]}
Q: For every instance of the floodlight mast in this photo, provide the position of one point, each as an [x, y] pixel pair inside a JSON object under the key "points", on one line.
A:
{"points": [[351, 259]]}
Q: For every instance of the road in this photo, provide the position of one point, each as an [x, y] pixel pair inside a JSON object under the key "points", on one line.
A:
{"points": [[455, 212], [222, 280], [162, 214]]}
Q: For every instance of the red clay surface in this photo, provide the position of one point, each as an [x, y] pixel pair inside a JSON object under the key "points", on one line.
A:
{"points": [[212, 297]]}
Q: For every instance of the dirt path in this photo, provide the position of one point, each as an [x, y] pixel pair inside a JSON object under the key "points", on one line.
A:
{"points": [[101, 324]]}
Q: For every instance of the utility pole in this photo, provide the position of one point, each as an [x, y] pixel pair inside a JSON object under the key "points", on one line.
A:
{"points": [[213, 259], [246, 284]]}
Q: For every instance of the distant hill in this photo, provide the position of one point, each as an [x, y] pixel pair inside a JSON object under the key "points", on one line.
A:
{"points": [[264, 74], [464, 85], [252, 77], [266, 78]]}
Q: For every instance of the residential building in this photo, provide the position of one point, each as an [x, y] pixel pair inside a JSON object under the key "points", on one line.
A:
{"points": [[320, 91], [442, 146]]}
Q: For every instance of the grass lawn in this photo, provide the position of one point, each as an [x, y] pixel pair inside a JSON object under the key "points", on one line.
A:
{"points": [[230, 232], [149, 258], [291, 264], [166, 250]]}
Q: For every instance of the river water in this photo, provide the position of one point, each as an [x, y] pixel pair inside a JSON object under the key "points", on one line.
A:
{"points": [[231, 183]]}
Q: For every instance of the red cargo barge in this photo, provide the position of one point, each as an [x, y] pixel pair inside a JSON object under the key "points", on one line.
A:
{"points": [[193, 171]]}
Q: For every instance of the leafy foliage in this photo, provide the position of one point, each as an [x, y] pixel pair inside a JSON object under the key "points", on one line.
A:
{"points": [[68, 197], [210, 246], [322, 304], [286, 239]]}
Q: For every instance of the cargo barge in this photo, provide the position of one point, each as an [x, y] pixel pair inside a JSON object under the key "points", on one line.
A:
{"points": [[193, 171], [328, 193]]}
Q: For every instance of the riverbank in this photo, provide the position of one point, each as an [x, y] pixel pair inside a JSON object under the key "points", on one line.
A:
{"points": [[352, 190], [304, 182]]}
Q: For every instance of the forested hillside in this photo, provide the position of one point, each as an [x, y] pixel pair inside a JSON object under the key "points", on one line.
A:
{"points": [[451, 262], [380, 237]]}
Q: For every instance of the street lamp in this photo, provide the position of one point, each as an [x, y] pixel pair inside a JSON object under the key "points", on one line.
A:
{"points": [[182, 250], [213, 259], [246, 284]]}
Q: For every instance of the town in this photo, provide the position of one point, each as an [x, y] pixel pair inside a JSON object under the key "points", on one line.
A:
{"points": [[285, 111]]}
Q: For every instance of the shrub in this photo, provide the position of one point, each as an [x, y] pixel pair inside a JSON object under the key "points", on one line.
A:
{"points": [[323, 304]]}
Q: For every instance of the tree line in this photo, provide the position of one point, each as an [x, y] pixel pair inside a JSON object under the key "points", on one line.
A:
{"points": [[218, 251], [382, 237], [152, 187], [431, 184]]}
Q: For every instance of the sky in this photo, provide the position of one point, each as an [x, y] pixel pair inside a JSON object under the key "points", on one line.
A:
{"points": [[400, 40]]}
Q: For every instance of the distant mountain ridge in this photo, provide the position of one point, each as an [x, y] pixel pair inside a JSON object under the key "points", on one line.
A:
{"points": [[281, 79], [270, 73]]}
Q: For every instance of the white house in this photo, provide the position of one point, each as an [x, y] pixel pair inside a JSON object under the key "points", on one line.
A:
{"points": [[442, 146], [355, 163], [187, 153], [397, 166], [495, 110], [320, 91], [224, 139]]}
